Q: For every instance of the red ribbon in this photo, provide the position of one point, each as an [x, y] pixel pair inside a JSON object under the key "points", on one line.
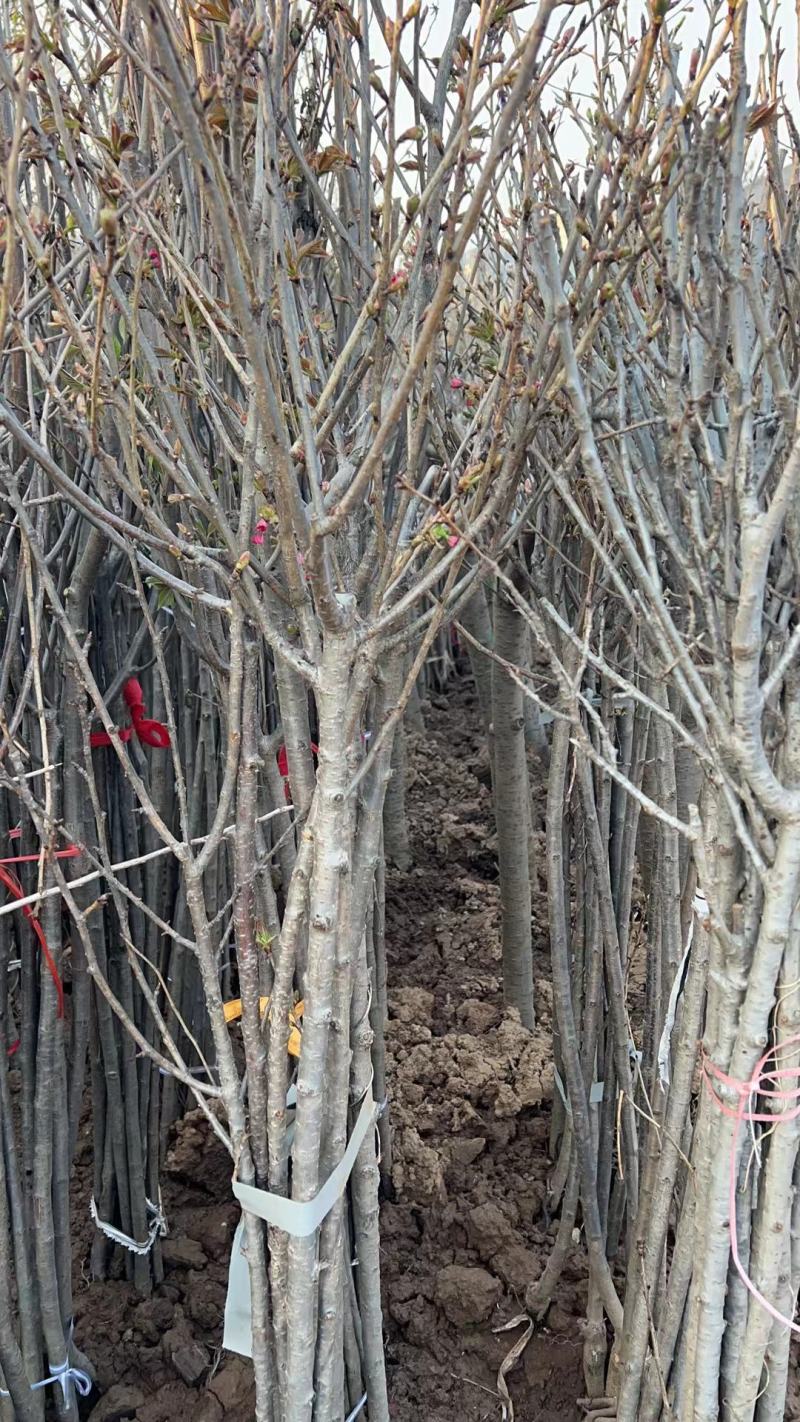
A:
{"points": [[9, 878], [34, 858], [12, 883], [150, 733], [283, 766]]}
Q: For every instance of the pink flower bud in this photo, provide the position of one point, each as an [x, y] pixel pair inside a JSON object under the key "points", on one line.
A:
{"points": [[455, 383]]}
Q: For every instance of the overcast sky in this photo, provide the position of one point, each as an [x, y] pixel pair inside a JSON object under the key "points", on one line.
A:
{"points": [[694, 24]]}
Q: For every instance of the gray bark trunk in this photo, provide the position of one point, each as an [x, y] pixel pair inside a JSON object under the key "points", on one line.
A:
{"points": [[511, 800]]}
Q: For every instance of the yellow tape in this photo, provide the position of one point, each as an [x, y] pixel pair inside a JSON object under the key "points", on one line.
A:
{"points": [[233, 1011]]}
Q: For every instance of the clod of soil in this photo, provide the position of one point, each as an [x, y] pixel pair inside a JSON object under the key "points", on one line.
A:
{"points": [[119, 1402], [467, 1295]]}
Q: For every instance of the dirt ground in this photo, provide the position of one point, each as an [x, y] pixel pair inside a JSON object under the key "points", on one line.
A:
{"points": [[467, 1228]]}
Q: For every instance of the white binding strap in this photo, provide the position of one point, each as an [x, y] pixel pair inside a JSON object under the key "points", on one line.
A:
{"points": [[300, 1218], [158, 1228], [701, 912]]}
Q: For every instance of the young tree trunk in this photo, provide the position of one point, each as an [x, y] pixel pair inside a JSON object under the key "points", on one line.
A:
{"points": [[535, 732], [477, 621], [511, 802], [577, 1093], [395, 821], [340, 896]]}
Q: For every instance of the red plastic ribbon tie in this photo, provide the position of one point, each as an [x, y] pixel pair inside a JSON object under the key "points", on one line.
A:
{"points": [[9, 878], [12, 883], [150, 733], [68, 853], [283, 766]]}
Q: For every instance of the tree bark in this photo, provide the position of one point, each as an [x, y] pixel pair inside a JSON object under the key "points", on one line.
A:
{"points": [[512, 809]]}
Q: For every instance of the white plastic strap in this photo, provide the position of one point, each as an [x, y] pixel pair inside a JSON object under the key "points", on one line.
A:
{"points": [[302, 1217], [158, 1227], [597, 1088], [297, 1217], [595, 1091], [65, 1376], [359, 1407], [700, 911]]}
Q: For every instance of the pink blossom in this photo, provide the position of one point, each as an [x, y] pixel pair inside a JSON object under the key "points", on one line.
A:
{"points": [[154, 257], [452, 540], [455, 383], [261, 528]]}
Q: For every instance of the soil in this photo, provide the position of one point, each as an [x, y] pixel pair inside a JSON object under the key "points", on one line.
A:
{"points": [[466, 1228]]}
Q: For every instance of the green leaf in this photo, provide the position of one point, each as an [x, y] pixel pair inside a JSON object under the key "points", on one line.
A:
{"points": [[484, 328], [165, 597]]}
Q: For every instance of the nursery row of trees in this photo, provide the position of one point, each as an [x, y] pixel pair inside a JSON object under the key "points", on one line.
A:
{"points": [[315, 345]]}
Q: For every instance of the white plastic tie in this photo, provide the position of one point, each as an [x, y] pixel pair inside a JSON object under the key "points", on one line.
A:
{"points": [[300, 1218], [701, 912], [65, 1376], [158, 1228], [596, 1091], [359, 1407]]}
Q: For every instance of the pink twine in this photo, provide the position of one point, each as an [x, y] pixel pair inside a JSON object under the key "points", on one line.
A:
{"points": [[761, 1083]]}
